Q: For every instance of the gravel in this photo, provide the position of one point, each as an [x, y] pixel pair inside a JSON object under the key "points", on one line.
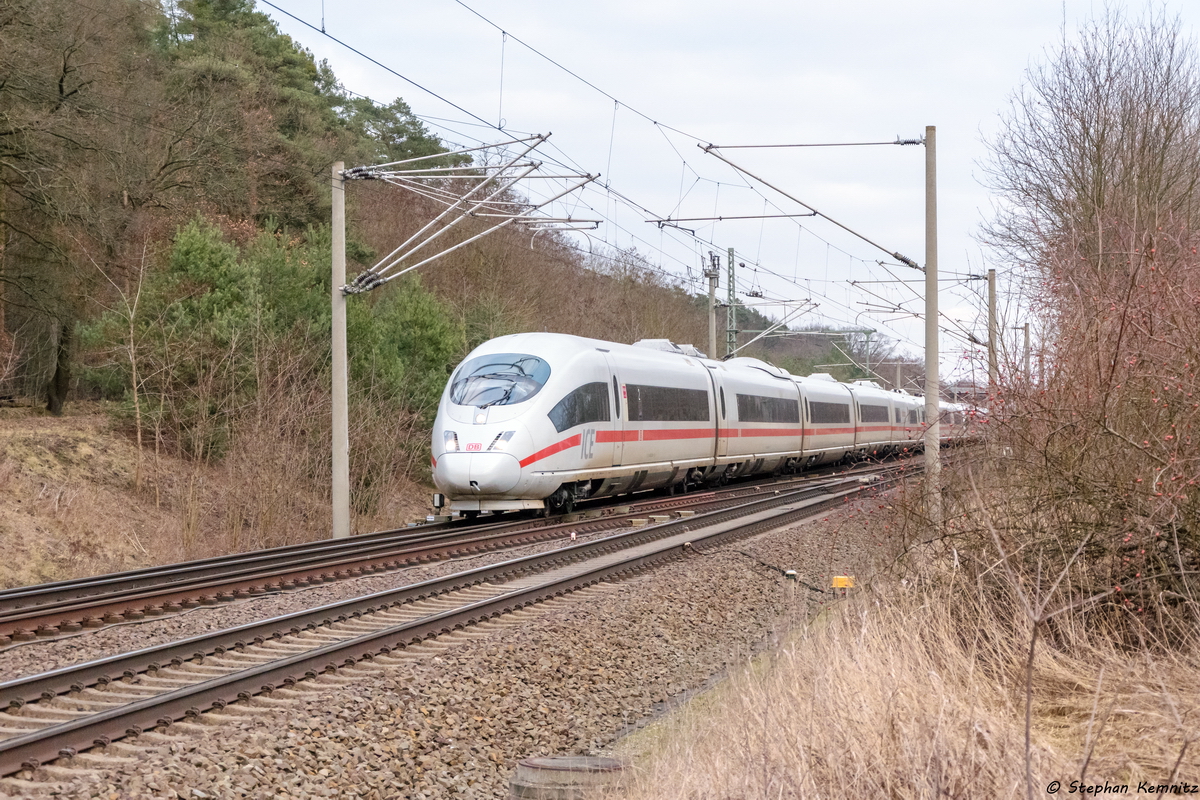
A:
{"points": [[451, 719], [40, 656]]}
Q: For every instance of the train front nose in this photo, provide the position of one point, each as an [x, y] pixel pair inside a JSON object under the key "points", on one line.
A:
{"points": [[467, 474]]}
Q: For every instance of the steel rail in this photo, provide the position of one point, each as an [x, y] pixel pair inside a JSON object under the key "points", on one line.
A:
{"points": [[29, 750], [80, 676], [23, 596], [52, 609]]}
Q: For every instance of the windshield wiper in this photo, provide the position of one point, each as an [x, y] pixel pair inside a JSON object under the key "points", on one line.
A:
{"points": [[502, 399], [495, 376], [514, 365]]}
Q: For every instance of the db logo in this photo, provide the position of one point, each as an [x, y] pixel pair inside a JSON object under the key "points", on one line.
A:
{"points": [[474, 447]]}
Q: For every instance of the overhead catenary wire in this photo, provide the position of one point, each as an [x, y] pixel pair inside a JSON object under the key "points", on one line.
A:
{"points": [[379, 64], [618, 103], [907, 261], [898, 140], [573, 74], [611, 191]]}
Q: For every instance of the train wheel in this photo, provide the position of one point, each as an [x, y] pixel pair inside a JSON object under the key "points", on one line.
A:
{"points": [[561, 502]]}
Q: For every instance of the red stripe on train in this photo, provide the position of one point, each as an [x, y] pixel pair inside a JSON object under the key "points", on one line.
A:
{"points": [[666, 434], [558, 447], [683, 433], [603, 437], [734, 433]]}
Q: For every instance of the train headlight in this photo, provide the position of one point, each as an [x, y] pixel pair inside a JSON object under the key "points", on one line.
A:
{"points": [[500, 443], [481, 417], [451, 439]]}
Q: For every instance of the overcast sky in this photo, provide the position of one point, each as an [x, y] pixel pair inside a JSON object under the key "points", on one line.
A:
{"points": [[733, 73]]}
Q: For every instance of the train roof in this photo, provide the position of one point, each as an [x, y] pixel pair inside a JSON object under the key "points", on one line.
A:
{"points": [[564, 345]]}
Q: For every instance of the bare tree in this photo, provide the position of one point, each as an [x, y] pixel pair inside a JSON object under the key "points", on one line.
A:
{"points": [[1108, 125]]}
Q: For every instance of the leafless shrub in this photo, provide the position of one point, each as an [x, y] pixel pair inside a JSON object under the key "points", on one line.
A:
{"points": [[10, 356], [1108, 127], [1103, 452]]}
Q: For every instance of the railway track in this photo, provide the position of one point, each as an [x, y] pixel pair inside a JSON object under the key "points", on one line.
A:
{"points": [[68, 710], [53, 610]]}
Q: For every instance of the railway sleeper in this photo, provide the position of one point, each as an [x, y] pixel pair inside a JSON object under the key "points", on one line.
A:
{"points": [[399, 614], [355, 624], [51, 714], [209, 668], [189, 726], [52, 772], [332, 679], [326, 636], [269, 701], [158, 738], [8, 731], [284, 648], [238, 713], [242, 661], [105, 684], [20, 787], [296, 692], [21, 720], [364, 669], [81, 704], [158, 685], [122, 752]]}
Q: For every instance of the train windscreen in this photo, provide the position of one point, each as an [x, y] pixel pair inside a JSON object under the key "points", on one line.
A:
{"points": [[498, 379]]}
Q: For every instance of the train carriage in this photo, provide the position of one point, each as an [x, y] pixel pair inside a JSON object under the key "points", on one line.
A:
{"points": [[759, 426], [875, 409], [910, 426], [829, 423]]}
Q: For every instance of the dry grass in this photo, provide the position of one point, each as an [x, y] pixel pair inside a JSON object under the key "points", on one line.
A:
{"points": [[920, 693], [65, 508], [70, 505]]}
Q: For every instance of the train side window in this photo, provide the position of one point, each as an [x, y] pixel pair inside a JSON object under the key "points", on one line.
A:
{"points": [[667, 404], [722, 391], [588, 403], [753, 408], [871, 413], [617, 396], [827, 413]]}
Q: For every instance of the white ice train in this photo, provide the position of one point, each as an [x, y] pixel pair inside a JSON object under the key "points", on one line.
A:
{"points": [[542, 420]]}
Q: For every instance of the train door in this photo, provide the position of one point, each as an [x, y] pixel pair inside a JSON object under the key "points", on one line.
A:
{"points": [[720, 413], [617, 436], [802, 402]]}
